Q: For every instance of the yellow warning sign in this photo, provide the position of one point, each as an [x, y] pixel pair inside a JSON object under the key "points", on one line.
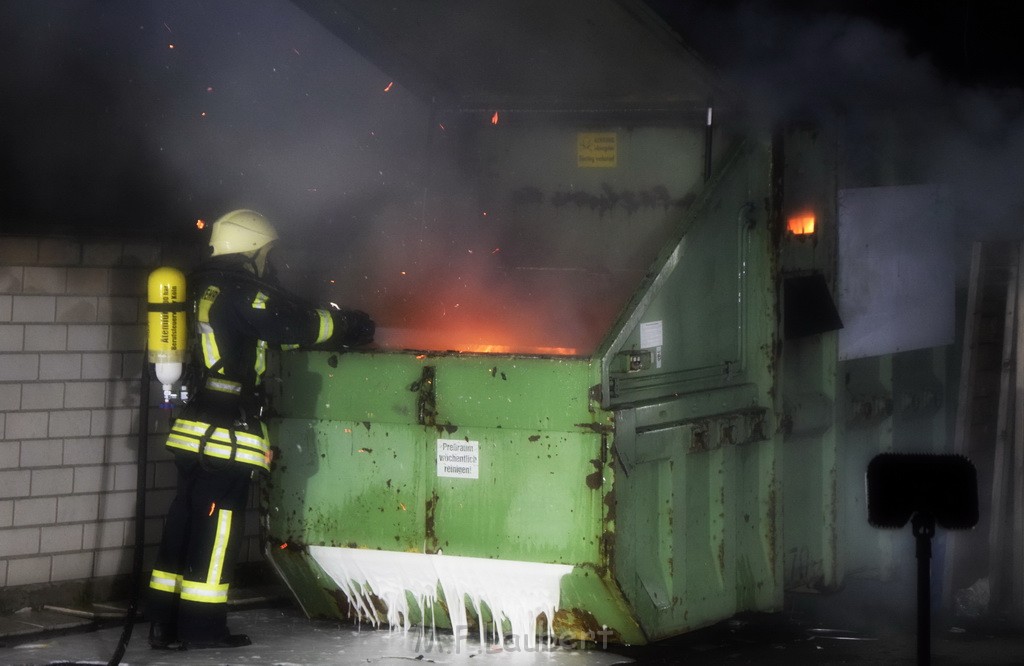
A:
{"points": [[596, 149]]}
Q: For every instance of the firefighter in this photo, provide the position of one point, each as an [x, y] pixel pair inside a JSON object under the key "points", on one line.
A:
{"points": [[219, 440]]}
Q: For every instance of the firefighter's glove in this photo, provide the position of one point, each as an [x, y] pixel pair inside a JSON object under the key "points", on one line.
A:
{"points": [[352, 328]]}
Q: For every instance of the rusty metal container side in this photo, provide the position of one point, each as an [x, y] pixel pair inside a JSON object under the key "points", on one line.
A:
{"points": [[841, 408], [649, 469], [689, 372], [357, 467], [813, 429]]}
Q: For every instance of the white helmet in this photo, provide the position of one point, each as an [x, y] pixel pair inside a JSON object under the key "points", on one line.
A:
{"points": [[240, 231]]}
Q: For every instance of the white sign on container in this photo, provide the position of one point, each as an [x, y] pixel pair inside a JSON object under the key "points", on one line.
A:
{"points": [[458, 458], [651, 334]]}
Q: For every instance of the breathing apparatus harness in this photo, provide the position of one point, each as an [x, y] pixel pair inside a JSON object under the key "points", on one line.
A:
{"points": [[244, 401]]}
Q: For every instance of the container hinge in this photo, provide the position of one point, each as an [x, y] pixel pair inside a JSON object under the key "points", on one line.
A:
{"points": [[426, 400]]}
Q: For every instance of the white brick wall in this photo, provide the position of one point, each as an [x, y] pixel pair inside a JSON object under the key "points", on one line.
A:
{"points": [[72, 327]]}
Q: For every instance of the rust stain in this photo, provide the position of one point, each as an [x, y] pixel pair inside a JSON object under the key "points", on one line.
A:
{"points": [[607, 545], [757, 428], [581, 625], [431, 538], [610, 506], [599, 569], [600, 428], [699, 439], [596, 478], [772, 508]]}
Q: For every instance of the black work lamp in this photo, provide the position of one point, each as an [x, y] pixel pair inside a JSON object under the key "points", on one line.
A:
{"points": [[923, 489]]}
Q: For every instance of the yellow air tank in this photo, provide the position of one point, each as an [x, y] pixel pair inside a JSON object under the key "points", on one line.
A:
{"points": [[167, 326]]}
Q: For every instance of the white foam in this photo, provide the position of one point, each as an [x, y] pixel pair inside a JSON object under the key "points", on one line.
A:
{"points": [[516, 591]]}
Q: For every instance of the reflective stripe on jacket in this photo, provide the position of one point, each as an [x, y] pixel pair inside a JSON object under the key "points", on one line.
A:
{"points": [[238, 317]]}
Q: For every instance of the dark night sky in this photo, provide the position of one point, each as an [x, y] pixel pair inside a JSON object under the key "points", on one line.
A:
{"points": [[972, 42], [105, 126]]}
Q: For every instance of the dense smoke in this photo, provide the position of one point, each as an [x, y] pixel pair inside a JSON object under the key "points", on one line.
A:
{"points": [[146, 116], [904, 119]]}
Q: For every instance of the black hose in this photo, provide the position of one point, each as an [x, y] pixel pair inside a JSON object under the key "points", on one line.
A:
{"points": [[140, 516]]}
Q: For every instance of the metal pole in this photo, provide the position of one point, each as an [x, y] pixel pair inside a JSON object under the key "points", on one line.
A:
{"points": [[924, 529], [140, 516]]}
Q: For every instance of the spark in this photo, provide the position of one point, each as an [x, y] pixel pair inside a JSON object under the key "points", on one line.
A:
{"points": [[168, 27], [200, 224], [443, 128], [296, 52], [334, 305], [170, 46], [403, 272], [212, 507], [203, 114], [283, 545], [496, 250], [209, 88], [387, 88], [494, 118]]}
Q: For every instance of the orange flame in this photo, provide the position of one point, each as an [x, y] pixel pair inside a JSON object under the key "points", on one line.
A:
{"points": [[509, 349], [801, 225]]}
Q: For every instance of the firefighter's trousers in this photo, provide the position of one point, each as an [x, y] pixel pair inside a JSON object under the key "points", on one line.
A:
{"points": [[188, 590]]}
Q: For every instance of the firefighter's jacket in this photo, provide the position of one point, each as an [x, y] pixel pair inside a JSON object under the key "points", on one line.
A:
{"points": [[237, 317]]}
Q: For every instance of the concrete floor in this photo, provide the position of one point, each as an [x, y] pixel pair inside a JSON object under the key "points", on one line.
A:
{"points": [[813, 630], [283, 636]]}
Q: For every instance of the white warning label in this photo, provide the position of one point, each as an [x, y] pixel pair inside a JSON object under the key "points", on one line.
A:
{"points": [[651, 334], [458, 458]]}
